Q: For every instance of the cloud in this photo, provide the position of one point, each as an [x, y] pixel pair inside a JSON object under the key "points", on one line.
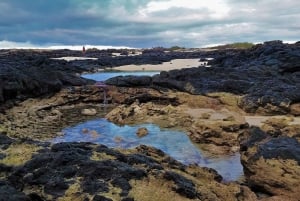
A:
{"points": [[148, 23]]}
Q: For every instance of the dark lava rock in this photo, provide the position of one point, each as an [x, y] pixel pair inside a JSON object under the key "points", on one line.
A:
{"points": [[129, 81], [267, 75], [57, 168], [182, 186], [282, 148], [9, 193], [5, 141], [64, 162], [101, 198], [31, 73], [86, 171]]}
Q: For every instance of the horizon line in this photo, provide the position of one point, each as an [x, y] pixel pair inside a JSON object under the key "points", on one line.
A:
{"points": [[4, 44]]}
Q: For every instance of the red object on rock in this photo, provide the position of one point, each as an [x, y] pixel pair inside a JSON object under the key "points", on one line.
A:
{"points": [[101, 85]]}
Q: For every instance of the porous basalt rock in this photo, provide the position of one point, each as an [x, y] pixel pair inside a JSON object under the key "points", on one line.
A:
{"points": [[266, 75], [141, 132], [71, 170], [271, 164]]}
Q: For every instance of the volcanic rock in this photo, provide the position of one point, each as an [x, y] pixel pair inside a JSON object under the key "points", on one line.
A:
{"points": [[141, 132], [69, 171], [271, 164], [89, 112]]}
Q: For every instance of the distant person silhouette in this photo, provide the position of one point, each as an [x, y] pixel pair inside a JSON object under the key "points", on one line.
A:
{"points": [[83, 51]]}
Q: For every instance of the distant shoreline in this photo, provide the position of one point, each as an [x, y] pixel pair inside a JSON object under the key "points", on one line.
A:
{"points": [[165, 66]]}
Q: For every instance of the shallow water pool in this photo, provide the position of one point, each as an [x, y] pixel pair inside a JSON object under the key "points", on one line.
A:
{"points": [[102, 76], [174, 143]]}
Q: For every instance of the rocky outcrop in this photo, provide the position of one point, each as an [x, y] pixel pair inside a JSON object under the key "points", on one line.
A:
{"points": [[84, 171], [33, 73], [271, 164], [220, 135], [129, 81], [263, 79], [211, 125], [34, 78], [45, 118], [267, 75]]}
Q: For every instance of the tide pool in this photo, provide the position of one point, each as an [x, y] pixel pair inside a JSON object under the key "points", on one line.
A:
{"points": [[174, 143], [102, 76]]}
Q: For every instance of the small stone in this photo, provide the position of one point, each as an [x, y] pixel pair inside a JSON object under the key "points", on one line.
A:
{"points": [[205, 116], [118, 139], [295, 109], [141, 132], [89, 112], [94, 134]]}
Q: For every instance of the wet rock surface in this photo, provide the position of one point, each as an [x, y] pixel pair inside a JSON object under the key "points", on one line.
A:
{"points": [[211, 125]]}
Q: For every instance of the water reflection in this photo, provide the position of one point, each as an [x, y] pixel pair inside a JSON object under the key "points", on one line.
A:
{"points": [[175, 143]]}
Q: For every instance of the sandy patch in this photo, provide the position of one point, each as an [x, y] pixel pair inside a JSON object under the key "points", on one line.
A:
{"points": [[75, 58], [165, 66], [211, 114]]}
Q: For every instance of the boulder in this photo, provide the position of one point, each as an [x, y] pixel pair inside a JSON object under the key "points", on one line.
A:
{"points": [[141, 132], [271, 164], [129, 81], [89, 112]]}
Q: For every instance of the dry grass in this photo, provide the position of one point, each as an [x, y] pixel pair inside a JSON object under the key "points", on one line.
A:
{"points": [[74, 193], [114, 193], [18, 154], [151, 189], [228, 99], [101, 156], [196, 101]]}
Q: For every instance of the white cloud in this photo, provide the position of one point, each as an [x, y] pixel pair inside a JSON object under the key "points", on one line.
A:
{"points": [[147, 23], [217, 8]]}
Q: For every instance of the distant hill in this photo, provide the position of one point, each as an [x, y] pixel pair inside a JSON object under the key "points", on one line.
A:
{"points": [[240, 45]]}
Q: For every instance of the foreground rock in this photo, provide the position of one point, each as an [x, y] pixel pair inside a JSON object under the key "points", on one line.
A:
{"points": [[84, 171], [271, 164]]}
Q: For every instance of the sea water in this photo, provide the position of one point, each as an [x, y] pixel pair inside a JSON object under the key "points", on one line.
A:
{"points": [[102, 76]]}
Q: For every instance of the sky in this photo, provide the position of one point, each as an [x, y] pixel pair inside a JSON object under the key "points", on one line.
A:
{"points": [[146, 23]]}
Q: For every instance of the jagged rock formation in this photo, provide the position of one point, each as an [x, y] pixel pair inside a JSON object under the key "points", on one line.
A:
{"points": [[271, 164], [266, 75], [33, 73]]}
